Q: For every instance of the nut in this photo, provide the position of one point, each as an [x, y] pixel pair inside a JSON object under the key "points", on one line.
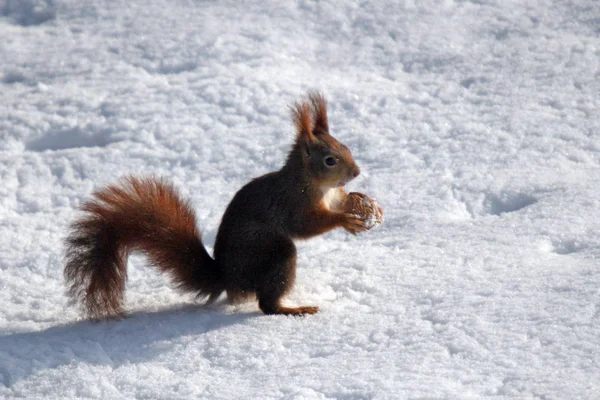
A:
{"points": [[366, 208]]}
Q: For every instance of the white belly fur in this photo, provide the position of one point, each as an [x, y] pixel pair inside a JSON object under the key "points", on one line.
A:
{"points": [[332, 198]]}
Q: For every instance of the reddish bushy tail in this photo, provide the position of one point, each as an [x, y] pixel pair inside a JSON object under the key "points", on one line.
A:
{"points": [[136, 214]]}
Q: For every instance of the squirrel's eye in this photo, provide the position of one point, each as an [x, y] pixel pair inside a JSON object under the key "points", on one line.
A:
{"points": [[330, 161]]}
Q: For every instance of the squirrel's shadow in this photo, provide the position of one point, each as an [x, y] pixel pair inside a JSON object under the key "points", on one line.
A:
{"points": [[140, 337]]}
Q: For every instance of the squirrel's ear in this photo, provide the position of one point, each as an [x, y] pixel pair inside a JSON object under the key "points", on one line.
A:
{"points": [[302, 119], [319, 112]]}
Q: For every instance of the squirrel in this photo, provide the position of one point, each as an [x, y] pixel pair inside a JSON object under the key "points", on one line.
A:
{"points": [[254, 251]]}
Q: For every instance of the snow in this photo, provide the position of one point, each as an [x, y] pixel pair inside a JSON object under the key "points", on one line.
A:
{"points": [[475, 124]]}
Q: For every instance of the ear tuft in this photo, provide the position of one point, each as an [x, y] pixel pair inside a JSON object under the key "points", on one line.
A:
{"points": [[301, 115], [318, 107]]}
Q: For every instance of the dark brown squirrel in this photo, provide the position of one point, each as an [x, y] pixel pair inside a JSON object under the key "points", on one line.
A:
{"points": [[254, 252]]}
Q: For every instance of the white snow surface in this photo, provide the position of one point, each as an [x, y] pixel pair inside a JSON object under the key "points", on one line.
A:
{"points": [[476, 125]]}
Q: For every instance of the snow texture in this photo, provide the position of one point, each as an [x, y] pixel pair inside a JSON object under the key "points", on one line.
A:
{"points": [[476, 126]]}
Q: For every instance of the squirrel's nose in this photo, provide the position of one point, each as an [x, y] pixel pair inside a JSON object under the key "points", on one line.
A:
{"points": [[355, 172]]}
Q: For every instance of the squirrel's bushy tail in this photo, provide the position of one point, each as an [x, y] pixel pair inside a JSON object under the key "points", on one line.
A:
{"points": [[137, 214]]}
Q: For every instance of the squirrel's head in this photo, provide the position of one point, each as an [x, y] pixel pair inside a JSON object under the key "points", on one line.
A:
{"points": [[328, 162]]}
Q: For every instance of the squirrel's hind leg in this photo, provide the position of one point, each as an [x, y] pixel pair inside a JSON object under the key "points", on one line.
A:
{"points": [[279, 279]]}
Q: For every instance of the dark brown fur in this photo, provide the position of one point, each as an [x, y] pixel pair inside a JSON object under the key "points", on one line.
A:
{"points": [[254, 250]]}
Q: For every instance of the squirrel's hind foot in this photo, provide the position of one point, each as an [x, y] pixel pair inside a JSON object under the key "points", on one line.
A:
{"points": [[294, 311]]}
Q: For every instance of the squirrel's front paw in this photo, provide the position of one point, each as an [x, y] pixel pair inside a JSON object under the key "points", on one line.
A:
{"points": [[354, 223]]}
